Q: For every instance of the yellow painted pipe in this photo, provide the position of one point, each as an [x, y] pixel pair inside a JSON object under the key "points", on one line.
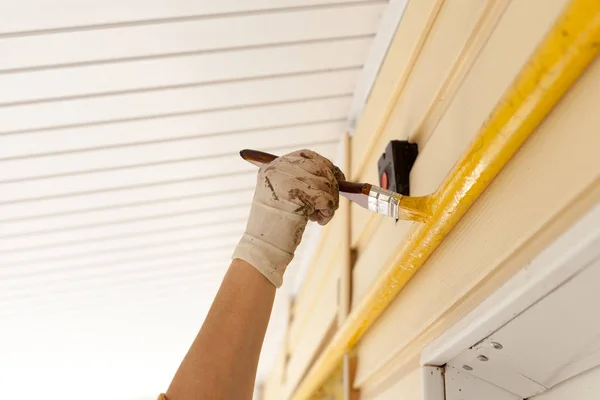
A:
{"points": [[569, 47]]}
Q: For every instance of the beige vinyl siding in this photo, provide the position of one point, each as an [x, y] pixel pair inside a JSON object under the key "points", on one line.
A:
{"points": [[446, 69]]}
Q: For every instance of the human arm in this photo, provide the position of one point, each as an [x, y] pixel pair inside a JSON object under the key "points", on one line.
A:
{"points": [[222, 361]]}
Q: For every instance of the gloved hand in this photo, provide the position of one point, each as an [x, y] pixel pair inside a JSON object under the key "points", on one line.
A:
{"points": [[290, 190]]}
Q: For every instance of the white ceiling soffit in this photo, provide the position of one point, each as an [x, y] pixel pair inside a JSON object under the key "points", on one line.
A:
{"points": [[122, 193]]}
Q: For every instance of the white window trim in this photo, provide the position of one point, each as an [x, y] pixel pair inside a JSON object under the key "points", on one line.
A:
{"points": [[567, 256]]}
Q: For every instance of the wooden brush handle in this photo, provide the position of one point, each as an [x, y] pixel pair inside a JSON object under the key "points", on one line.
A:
{"points": [[259, 158]]}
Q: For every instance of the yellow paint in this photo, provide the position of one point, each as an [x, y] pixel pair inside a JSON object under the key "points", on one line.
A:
{"points": [[332, 388], [566, 51], [415, 208]]}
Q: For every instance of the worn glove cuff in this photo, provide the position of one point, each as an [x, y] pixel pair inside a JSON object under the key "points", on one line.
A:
{"points": [[267, 259], [270, 240]]}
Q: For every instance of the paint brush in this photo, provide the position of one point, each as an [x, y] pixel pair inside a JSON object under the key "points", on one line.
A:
{"points": [[371, 197]]}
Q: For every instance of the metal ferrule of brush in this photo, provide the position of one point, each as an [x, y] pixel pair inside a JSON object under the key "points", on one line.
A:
{"points": [[384, 202]]}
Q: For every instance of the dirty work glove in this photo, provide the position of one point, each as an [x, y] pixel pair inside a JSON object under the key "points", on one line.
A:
{"points": [[290, 190]]}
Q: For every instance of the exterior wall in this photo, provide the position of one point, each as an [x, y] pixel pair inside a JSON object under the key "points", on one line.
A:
{"points": [[314, 312], [447, 68]]}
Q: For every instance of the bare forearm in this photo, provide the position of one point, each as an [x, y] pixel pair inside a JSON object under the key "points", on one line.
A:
{"points": [[222, 361]]}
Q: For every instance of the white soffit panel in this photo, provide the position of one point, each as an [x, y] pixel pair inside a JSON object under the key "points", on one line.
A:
{"points": [[460, 385], [537, 330], [122, 194], [585, 386], [196, 36], [494, 370], [557, 337], [173, 73], [35, 17]]}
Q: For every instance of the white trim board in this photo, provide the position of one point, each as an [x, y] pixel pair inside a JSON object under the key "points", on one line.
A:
{"points": [[433, 383], [566, 257], [533, 334], [385, 33]]}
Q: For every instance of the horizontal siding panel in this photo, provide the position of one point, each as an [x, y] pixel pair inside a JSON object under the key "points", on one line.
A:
{"points": [[513, 220], [316, 304], [200, 35], [318, 323], [505, 53], [206, 151], [396, 67], [35, 15], [459, 264], [363, 223], [315, 282], [410, 386], [230, 95], [272, 387], [183, 70], [210, 124], [375, 255], [446, 40]]}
